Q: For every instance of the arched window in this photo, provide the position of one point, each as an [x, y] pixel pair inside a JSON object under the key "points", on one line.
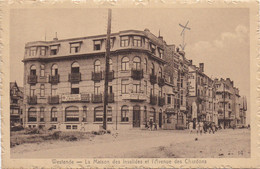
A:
{"points": [[32, 114], [42, 71], [152, 69], [72, 113], [98, 114], [97, 66], [33, 70], [136, 63], [153, 114], [84, 114], [54, 70], [125, 63], [124, 114], [110, 65], [145, 65], [75, 67], [54, 114]]}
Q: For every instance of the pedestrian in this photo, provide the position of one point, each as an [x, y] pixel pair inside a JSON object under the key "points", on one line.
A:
{"points": [[213, 128], [155, 126], [201, 125], [197, 127], [151, 124], [191, 127]]}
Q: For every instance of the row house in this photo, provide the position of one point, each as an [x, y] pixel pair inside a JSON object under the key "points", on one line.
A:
{"points": [[16, 104], [64, 82], [202, 95], [227, 96]]}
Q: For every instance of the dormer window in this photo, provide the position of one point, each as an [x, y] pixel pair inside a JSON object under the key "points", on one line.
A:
{"points": [[54, 50], [32, 51], [42, 51], [124, 41], [97, 45], [75, 47], [137, 41], [153, 48]]}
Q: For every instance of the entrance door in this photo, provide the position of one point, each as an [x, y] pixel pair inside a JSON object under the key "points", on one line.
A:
{"points": [[136, 116], [160, 120]]}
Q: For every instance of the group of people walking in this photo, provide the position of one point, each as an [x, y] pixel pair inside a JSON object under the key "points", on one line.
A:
{"points": [[202, 127]]}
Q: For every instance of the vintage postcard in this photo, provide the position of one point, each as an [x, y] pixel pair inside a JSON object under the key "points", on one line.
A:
{"points": [[130, 84]]}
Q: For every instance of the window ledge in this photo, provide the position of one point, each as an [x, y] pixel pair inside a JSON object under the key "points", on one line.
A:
{"points": [[102, 122], [125, 122]]}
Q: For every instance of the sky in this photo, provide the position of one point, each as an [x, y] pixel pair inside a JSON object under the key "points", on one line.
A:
{"points": [[218, 37]]}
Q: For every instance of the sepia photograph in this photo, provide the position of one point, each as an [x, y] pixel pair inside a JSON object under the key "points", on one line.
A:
{"points": [[132, 83]]}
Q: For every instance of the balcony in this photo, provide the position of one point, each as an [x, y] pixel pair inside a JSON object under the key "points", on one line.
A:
{"points": [[137, 74], [153, 99], [161, 101], [32, 79], [153, 79], [97, 76], [135, 97], [32, 100], [110, 76], [53, 99], [161, 81], [110, 98], [54, 79], [97, 98], [75, 77]]}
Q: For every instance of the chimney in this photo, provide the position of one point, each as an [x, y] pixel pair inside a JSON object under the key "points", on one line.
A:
{"points": [[202, 67], [56, 38], [190, 62]]}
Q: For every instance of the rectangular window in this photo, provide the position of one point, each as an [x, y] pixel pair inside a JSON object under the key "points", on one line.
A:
{"points": [[160, 53], [32, 51], [54, 50], [42, 93], [74, 90], [74, 127], [153, 48], [137, 87], [53, 92], [96, 88], [124, 86], [75, 47], [181, 83], [42, 114], [182, 97], [124, 41], [97, 45], [68, 127], [169, 99], [42, 51], [137, 41]]}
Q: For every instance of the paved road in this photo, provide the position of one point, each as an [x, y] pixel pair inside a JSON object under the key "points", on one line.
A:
{"points": [[140, 143]]}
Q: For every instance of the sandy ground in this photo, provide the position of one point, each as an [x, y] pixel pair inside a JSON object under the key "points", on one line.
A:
{"points": [[146, 144]]}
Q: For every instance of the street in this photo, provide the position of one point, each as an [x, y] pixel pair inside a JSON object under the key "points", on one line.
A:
{"points": [[145, 144]]}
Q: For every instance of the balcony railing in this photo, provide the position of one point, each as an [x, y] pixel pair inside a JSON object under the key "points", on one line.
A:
{"points": [[97, 76], [97, 98], [75, 77], [161, 81], [85, 97], [32, 79], [137, 74], [32, 100], [53, 99], [161, 101], [153, 99], [153, 78], [110, 76], [110, 98], [54, 79]]}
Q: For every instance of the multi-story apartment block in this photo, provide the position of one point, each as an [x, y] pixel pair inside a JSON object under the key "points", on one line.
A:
{"points": [[226, 96], [16, 104], [64, 82], [242, 112]]}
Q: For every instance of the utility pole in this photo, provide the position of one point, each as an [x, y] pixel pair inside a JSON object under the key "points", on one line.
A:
{"points": [[107, 55], [224, 106]]}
